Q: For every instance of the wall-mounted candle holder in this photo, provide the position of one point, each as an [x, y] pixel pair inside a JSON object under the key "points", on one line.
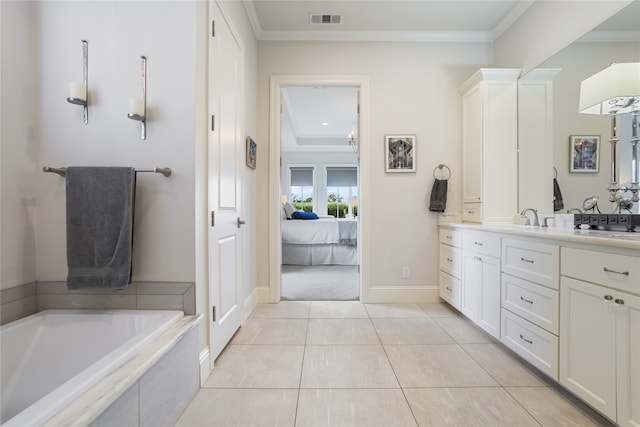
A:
{"points": [[138, 106], [78, 91]]}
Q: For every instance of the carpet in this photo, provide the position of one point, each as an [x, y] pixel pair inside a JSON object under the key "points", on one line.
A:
{"points": [[319, 282]]}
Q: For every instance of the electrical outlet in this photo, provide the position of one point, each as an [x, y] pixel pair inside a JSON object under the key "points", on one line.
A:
{"points": [[406, 272]]}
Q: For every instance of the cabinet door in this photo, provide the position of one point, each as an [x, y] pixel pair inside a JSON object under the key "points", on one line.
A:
{"points": [[628, 355], [471, 285], [489, 315], [587, 343], [472, 145]]}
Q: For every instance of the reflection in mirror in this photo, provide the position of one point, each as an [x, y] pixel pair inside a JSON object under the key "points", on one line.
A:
{"points": [[616, 40]]}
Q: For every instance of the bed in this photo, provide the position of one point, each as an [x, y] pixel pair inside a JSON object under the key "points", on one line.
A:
{"points": [[325, 241]]}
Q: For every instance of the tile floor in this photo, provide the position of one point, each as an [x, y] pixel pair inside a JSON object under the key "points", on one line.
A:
{"points": [[349, 364]]}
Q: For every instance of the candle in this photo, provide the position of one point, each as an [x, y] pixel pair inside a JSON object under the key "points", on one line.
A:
{"points": [[136, 106], [77, 91]]}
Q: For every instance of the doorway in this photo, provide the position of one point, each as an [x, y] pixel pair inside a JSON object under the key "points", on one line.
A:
{"points": [[332, 156]]}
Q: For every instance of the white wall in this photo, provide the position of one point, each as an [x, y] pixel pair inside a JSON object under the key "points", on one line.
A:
{"points": [[18, 149], [578, 62], [118, 33], [549, 26], [413, 89]]}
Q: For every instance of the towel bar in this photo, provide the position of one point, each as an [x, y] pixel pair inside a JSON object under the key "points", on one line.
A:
{"points": [[440, 167], [63, 171]]}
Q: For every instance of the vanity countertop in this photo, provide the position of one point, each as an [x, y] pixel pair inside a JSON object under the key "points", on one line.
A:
{"points": [[610, 238]]}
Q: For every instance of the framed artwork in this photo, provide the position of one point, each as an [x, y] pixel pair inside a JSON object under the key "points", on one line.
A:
{"points": [[251, 153], [400, 153], [584, 155]]}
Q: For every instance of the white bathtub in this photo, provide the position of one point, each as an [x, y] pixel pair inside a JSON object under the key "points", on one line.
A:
{"points": [[51, 358]]}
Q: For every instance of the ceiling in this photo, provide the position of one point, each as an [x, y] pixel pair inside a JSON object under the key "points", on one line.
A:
{"points": [[388, 20], [385, 20]]}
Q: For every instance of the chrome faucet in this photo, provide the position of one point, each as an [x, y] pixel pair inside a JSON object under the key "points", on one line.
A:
{"points": [[536, 222]]}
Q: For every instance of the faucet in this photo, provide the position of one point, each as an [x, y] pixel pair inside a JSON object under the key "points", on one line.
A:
{"points": [[536, 222], [576, 210]]}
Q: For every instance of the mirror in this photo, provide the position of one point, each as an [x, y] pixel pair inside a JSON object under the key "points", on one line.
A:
{"points": [[545, 136]]}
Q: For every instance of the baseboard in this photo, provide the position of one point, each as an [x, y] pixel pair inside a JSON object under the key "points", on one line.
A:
{"points": [[264, 294], [205, 365], [401, 294], [250, 303]]}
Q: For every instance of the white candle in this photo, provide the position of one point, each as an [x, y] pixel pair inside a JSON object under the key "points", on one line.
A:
{"points": [[77, 91], [136, 106]]}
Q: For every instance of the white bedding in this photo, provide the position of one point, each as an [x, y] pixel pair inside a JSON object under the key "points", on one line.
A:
{"points": [[321, 231]]}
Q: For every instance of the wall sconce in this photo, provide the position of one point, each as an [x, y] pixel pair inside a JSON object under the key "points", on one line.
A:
{"points": [[614, 91], [353, 143], [78, 91], [138, 106]]}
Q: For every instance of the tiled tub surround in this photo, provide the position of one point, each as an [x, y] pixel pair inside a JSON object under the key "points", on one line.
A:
{"points": [[137, 359], [30, 298]]}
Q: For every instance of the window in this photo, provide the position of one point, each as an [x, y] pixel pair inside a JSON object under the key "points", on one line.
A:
{"points": [[301, 187], [342, 191]]}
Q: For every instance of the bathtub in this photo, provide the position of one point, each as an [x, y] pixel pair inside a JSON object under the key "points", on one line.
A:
{"points": [[52, 358]]}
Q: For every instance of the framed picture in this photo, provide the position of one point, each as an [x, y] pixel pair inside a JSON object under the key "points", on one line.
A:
{"points": [[251, 153], [400, 153], [584, 155]]}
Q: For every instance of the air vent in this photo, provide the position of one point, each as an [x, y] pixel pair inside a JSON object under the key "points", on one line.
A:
{"points": [[323, 19]]}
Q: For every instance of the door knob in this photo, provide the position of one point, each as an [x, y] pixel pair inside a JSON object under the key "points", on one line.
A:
{"points": [[241, 222]]}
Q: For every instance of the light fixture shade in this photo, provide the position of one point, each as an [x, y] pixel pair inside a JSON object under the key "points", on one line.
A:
{"points": [[616, 88]]}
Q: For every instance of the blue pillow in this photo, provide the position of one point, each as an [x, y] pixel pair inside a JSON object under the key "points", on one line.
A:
{"points": [[304, 215]]}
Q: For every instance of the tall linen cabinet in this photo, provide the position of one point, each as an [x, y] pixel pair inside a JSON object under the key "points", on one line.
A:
{"points": [[490, 145]]}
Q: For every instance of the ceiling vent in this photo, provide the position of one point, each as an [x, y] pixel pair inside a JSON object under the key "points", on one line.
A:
{"points": [[325, 18]]}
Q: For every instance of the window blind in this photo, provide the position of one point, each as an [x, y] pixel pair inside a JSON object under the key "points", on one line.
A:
{"points": [[301, 176], [342, 176]]}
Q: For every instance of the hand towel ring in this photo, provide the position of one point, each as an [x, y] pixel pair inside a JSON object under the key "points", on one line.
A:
{"points": [[440, 167]]}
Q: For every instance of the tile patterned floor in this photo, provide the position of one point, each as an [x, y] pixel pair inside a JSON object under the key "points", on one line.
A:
{"points": [[349, 364]]}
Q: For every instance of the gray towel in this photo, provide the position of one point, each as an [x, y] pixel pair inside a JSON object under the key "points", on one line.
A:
{"points": [[558, 203], [438, 201], [100, 203]]}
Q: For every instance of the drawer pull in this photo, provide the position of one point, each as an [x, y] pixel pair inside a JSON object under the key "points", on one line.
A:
{"points": [[477, 258], [526, 340], [619, 301], [608, 297], [608, 270], [477, 243], [530, 261], [526, 300], [448, 237], [449, 289], [449, 259]]}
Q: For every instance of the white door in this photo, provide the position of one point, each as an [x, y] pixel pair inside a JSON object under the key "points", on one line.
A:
{"points": [[225, 148]]}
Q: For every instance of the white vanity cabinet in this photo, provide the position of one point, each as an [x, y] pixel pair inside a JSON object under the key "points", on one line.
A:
{"points": [[489, 145], [480, 300], [529, 316], [600, 331], [450, 266]]}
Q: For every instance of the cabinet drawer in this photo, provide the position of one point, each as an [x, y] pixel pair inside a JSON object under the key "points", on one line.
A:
{"points": [[482, 243], [450, 290], [620, 272], [536, 262], [451, 260], [534, 344], [472, 212], [451, 237], [533, 302]]}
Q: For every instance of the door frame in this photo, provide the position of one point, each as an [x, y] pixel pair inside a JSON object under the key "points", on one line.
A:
{"points": [[364, 212]]}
